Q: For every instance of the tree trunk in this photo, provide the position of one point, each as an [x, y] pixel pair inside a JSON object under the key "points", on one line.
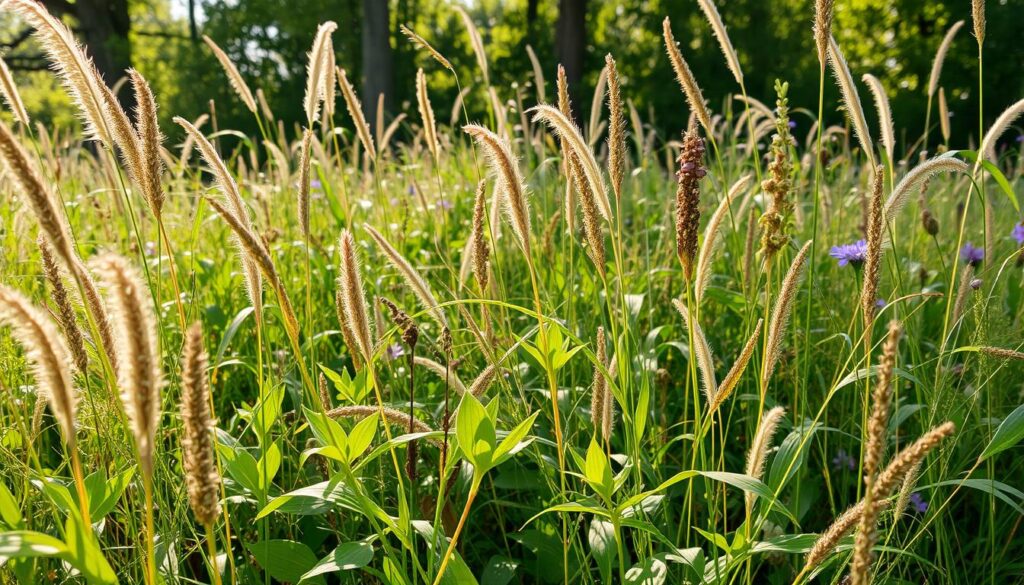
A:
{"points": [[571, 38], [378, 72], [104, 26]]}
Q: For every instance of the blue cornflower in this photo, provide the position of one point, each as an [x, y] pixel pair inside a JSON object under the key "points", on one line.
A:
{"points": [[843, 460], [395, 351], [918, 503], [1018, 233], [972, 255], [850, 253]]}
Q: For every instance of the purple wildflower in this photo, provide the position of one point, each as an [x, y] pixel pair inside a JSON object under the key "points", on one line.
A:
{"points": [[843, 460], [880, 303], [918, 503], [315, 184], [975, 283], [1018, 233], [972, 255], [850, 253], [445, 204], [395, 351], [792, 124]]}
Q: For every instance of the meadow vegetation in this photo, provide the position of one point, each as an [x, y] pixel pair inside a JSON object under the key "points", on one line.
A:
{"points": [[530, 348]]}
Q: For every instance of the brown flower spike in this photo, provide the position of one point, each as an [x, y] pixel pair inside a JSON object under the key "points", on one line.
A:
{"points": [[691, 171]]}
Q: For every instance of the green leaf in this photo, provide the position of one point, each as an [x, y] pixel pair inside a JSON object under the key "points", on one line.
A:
{"points": [[83, 551], [313, 500], [269, 463], [327, 430], [598, 472], [284, 560], [361, 436], [347, 557], [513, 442], [104, 493], [18, 544], [267, 411], [10, 513], [241, 467], [1009, 433], [499, 571], [652, 571], [993, 170], [601, 538], [475, 433], [229, 334]]}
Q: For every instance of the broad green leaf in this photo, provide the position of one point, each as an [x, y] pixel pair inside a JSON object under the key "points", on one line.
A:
{"points": [[327, 430], [83, 551], [475, 433], [601, 538], [511, 443], [10, 513], [652, 571], [347, 557], [499, 571], [241, 467], [268, 464], [361, 436], [267, 410], [312, 500], [26, 543], [598, 472], [1009, 433], [104, 493], [229, 334], [1004, 492], [285, 560]]}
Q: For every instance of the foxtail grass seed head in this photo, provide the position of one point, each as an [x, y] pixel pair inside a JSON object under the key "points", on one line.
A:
{"points": [[505, 170], [393, 417], [616, 129], [940, 57], [47, 354], [699, 345], [884, 114], [1002, 123], [851, 100], [565, 106], [691, 171], [423, 44], [73, 66], [694, 96], [913, 181], [873, 258], [978, 16], [591, 216], [411, 276], [780, 314], [712, 237], [738, 367], [758, 453], [943, 115], [350, 284], [150, 140], [319, 71], [197, 456], [1002, 353], [715, 19], [578, 147], [481, 249], [881, 400], [65, 312], [600, 384], [830, 538], [139, 375], [234, 77], [823, 10], [304, 164], [776, 223], [355, 110], [427, 115], [11, 95], [51, 219]]}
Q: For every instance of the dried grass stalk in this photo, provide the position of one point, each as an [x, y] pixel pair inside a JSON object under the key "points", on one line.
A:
{"points": [[234, 77], [481, 250], [11, 95], [567, 130], [412, 278], [851, 100], [150, 139], [139, 374], [427, 114], [758, 452], [616, 129], [198, 460], [65, 312], [422, 43], [691, 171], [694, 96], [823, 11], [355, 109], [699, 345], [75, 69], [915, 179], [442, 372], [873, 258], [350, 286], [510, 183], [319, 71], [732, 378], [47, 354], [781, 311], [884, 114], [1002, 123], [712, 238], [304, 164], [940, 57], [715, 19]]}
